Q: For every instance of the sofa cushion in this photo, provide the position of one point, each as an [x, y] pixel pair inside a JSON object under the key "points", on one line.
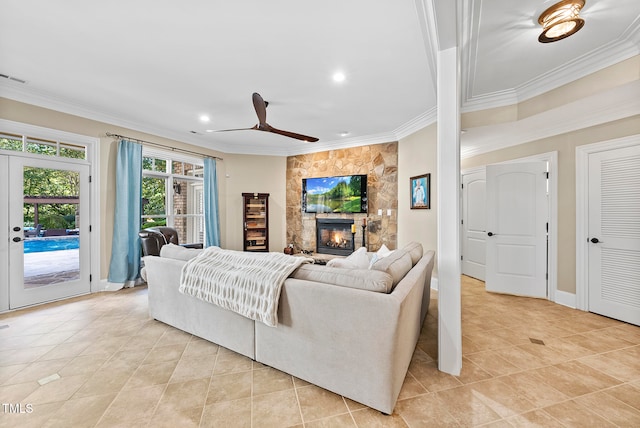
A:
{"points": [[174, 251], [415, 251], [356, 260], [396, 264], [363, 279]]}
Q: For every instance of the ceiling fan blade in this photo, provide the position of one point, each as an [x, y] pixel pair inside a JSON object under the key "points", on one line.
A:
{"points": [[261, 109], [291, 134], [236, 129]]}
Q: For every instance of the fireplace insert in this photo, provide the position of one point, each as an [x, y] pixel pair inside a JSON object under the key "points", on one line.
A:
{"points": [[333, 236]]}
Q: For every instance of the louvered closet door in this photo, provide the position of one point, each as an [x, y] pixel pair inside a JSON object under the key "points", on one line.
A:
{"points": [[614, 234]]}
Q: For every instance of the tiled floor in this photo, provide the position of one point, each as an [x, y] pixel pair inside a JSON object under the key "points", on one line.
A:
{"points": [[100, 361]]}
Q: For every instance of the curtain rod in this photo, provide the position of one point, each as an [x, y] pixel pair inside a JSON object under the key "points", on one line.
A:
{"points": [[174, 149]]}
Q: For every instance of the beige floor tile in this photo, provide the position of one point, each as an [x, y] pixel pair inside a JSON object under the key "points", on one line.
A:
{"points": [[17, 392], [466, 406], [533, 388], [81, 412], [424, 411], [492, 363], [340, 421], [268, 380], [587, 371], [230, 387], [191, 368], [185, 395], [38, 370], [610, 408], [627, 393], [571, 414], [132, 406], [411, 388], [171, 418], [231, 363], [58, 390], [151, 374], [159, 354], [278, 409], [235, 413], [317, 403], [104, 381], [37, 418], [372, 418], [535, 418]]}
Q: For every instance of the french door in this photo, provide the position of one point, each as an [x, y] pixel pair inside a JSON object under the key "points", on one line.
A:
{"points": [[44, 230]]}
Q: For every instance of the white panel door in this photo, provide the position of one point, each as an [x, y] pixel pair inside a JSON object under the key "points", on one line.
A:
{"points": [[614, 234], [517, 216], [474, 227]]}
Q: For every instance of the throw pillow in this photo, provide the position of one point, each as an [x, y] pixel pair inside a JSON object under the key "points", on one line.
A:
{"points": [[381, 253], [174, 251], [356, 260]]}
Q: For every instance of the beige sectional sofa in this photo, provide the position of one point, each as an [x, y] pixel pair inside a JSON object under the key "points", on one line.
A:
{"points": [[350, 331]]}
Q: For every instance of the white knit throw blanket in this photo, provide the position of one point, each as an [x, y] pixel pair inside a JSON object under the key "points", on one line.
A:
{"points": [[246, 283]]}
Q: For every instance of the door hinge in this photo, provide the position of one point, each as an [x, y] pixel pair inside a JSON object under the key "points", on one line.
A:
{"points": [[461, 221], [547, 226], [90, 277], [89, 228], [89, 179], [462, 185], [461, 257], [547, 175]]}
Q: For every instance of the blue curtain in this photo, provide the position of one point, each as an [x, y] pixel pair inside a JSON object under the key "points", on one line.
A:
{"points": [[211, 219], [125, 251]]}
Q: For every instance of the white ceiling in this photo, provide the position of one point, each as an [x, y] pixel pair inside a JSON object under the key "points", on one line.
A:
{"points": [[156, 66]]}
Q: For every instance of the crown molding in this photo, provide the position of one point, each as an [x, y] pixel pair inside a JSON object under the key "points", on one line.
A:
{"points": [[425, 119], [607, 106]]}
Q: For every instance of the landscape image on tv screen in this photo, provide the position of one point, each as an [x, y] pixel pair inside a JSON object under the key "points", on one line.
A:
{"points": [[344, 194]]}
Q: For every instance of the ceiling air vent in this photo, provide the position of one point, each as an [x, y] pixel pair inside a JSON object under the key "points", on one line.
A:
{"points": [[15, 79]]}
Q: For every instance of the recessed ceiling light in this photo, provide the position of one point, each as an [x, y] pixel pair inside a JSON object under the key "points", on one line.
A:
{"points": [[339, 77], [344, 133], [209, 130], [204, 118]]}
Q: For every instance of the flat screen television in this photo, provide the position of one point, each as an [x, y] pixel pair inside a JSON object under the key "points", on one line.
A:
{"points": [[337, 194]]}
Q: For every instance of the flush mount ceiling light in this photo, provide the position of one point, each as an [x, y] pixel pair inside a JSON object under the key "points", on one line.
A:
{"points": [[561, 20]]}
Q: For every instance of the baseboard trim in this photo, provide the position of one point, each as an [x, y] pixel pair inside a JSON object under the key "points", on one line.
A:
{"points": [[565, 299]]}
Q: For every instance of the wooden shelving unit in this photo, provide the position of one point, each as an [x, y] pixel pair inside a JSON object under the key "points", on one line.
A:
{"points": [[256, 221]]}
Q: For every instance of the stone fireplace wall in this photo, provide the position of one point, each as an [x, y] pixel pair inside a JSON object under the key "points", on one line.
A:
{"points": [[379, 162]]}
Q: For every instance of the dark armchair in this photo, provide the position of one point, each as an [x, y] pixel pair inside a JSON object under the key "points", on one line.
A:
{"points": [[153, 238]]}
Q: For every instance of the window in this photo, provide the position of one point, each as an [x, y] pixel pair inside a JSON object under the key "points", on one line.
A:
{"points": [[22, 143], [172, 194]]}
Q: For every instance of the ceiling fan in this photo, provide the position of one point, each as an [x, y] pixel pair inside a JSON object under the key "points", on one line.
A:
{"points": [[261, 110]]}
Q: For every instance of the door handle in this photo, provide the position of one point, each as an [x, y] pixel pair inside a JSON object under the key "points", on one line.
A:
{"points": [[596, 241], [17, 239], [490, 233]]}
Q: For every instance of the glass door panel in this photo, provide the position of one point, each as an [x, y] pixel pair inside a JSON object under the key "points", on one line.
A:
{"points": [[49, 232]]}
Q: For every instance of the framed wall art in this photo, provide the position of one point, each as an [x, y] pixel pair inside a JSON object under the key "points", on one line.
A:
{"points": [[420, 187]]}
